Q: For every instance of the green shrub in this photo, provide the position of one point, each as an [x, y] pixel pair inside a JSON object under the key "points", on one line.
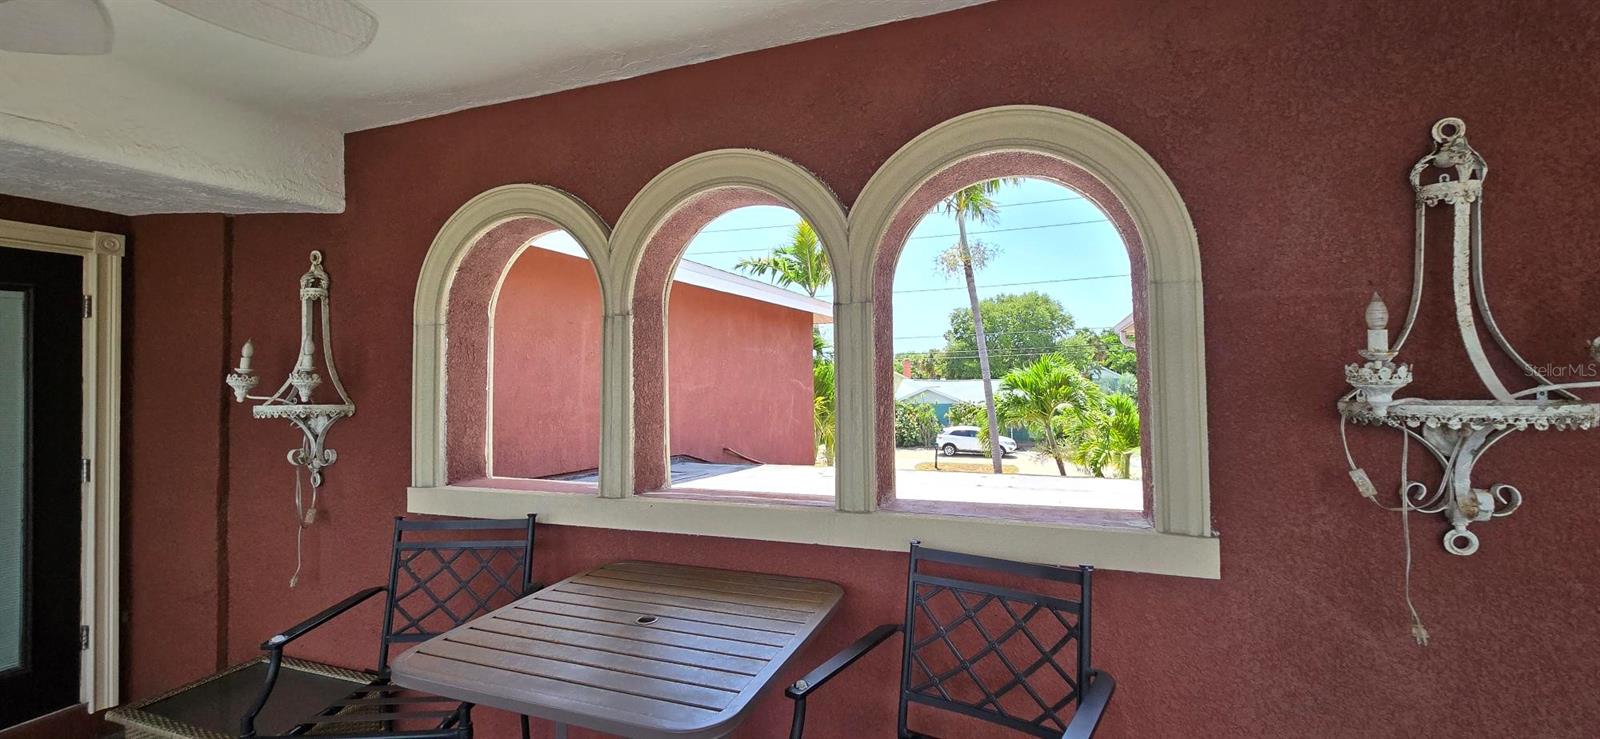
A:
{"points": [[968, 414], [914, 424]]}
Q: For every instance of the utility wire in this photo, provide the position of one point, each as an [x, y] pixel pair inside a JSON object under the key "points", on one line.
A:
{"points": [[1015, 332], [691, 255], [1014, 228], [791, 225], [1011, 284], [829, 296]]}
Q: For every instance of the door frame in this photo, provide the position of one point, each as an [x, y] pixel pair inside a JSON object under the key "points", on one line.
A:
{"points": [[102, 253]]}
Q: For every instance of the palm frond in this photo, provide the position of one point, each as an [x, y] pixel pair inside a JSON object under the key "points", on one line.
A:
{"points": [[802, 262]]}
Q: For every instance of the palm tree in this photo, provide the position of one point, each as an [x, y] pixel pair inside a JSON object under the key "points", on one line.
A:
{"points": [[823, 425], [1103, 431], [1036, 394], [975, 202], [801, 262]]}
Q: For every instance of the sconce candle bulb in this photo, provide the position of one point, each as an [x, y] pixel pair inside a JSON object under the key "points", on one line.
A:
{"points": [[1377, 325]]}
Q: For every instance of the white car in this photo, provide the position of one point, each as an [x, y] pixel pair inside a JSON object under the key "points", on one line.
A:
{"points": [[956, 439]]}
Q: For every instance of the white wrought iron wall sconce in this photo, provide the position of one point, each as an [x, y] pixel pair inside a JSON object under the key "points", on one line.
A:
{"points": [[293, 400], [1456, 433]]}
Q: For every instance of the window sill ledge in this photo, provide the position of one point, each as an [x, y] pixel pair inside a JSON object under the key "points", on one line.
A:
{"points": [[1108, 542]]}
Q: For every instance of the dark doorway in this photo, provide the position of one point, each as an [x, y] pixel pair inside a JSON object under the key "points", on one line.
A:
{"points": [[41, 450]]}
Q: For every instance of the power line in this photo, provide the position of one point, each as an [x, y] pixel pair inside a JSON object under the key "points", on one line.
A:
{"points": [[929, 236], [1015, 332], [1079, 350], [829, 296], [1015, 228], [1010, 284], [791, 225]]}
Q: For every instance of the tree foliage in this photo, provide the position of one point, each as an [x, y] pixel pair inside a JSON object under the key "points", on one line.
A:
{"points": [[1020, 328], [1119, 358], [928, 365], [1034, 396], [1103, 431], [915, 424], [824, 418], [802, 262], [965, 414]]}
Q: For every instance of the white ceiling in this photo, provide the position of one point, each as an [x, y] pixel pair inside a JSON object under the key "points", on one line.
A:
{"points": [[185, 116]]}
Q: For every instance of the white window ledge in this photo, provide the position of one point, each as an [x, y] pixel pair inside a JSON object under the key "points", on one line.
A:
{"points": [[1130, 547]]}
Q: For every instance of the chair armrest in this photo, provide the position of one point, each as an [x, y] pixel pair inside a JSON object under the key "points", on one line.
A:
{"points": [[274, 648], [292, 633], [1096, 695], [836, 664]]}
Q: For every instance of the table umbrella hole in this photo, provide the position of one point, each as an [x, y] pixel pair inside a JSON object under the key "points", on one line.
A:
{"points": [[645, 620]]}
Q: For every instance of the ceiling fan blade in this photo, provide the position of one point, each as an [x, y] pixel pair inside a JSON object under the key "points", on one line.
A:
{"points": [[323, 27], [55, 26]]}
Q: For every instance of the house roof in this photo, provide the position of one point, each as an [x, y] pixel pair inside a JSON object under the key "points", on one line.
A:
{"points": [[711, 278], [1124, 331], [971, 391], [942, 391]]}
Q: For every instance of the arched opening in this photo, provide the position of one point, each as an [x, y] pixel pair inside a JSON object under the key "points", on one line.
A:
{"points": [[750, 389], [544, 386], [1025, 285], [472, 300], [1014, 178], [730, 401]]}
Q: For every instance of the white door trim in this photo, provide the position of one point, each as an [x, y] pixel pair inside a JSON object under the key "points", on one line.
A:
{"points": [[102, 443]]}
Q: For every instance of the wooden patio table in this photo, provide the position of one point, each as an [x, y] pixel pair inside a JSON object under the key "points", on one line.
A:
{"points": [[635, 649]]}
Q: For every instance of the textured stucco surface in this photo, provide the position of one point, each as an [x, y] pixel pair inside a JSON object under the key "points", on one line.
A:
{"points": [[740, 372], [739, 377], [171, 450], [467, 342], [1288, 128], [546, 367], [91, 132], [650, 364], [182, 116]]}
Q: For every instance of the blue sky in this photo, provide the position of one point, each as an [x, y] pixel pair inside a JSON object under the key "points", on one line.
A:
{"points": [[1044, 234]]}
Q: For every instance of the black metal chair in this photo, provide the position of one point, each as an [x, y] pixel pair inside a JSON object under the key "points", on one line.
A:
{"points": [[436, 582], [986, 651]]}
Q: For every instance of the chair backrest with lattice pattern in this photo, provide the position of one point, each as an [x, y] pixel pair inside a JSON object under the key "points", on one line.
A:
{"points": [[447, 572], [996, 653]]}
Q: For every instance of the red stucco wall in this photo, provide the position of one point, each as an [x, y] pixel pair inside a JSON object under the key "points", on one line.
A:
{"points": [[740, 372], [547, 367], [174, 489], [1288, 128], [60, 216], [738, 376]]}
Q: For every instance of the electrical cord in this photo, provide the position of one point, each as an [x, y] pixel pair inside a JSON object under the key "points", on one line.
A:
{"points": [[1369, 491]]}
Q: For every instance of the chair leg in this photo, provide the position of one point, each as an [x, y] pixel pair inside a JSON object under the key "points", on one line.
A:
{"points": [[524, 726], [797, 727]]}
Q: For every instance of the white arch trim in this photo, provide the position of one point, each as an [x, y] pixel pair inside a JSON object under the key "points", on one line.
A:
{"points": [[713, 170], [636, 228], [430, 311], [1178, 542], [1175, 348]]}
